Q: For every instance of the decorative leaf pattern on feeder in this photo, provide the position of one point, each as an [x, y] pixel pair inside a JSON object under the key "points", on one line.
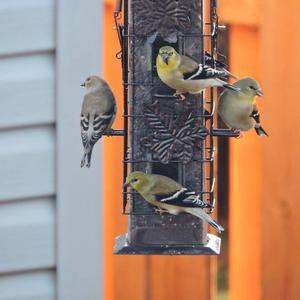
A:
{"points": [[148, 25], [165, 18], [173, 137]]}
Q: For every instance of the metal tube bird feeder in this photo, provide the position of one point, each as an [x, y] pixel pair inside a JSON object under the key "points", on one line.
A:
{"points": [[163, 135]]}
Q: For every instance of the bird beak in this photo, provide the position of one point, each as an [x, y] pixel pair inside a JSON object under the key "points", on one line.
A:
{"points": [[165, 58], [83, 85], [259, 93]]}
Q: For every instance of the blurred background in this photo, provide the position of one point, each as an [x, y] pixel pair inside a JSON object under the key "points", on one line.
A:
{"points": [[58, 222]]}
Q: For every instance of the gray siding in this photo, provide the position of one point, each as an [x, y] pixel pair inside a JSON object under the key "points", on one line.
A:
{"points": [[50, 209], [35, 285], [27, 150], [27, 26], [27, 160], [27, 90]]}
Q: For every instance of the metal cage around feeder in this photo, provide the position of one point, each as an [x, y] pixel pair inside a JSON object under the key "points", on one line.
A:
{"points": [[163, 135]]}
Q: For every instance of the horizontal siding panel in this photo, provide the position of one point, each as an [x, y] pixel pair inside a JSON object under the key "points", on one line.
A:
{"points": [[27, 90], [39, 285], [27, 160], [26, 26], [27, 235]]}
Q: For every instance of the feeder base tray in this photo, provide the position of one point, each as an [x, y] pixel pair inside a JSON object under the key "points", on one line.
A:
{"points": [[212, 247]]}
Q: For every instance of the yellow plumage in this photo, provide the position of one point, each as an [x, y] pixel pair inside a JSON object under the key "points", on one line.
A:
{"points": [[185, 75], [169, 196]]}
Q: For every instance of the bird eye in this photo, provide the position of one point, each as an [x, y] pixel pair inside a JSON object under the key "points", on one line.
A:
{"points": [[88, 79], [171, 53], [134, 180], [252, 87]]}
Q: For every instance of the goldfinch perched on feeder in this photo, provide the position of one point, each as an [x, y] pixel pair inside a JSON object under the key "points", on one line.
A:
{"points": [[97, 114], [187, 76], [169, 196], [238, 109]]}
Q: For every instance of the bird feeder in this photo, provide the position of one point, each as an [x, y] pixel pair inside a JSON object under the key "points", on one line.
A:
{"points": [[163, 135]]}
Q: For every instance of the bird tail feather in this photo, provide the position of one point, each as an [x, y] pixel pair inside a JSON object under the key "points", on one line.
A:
{"points": [[86, 159], [83, 160], [198, 212], [260, 131], [231, 87], [228, 85], [229, 74]]}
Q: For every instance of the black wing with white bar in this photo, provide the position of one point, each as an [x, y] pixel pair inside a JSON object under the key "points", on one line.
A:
{"points": [[205, 72], [184, 198]]}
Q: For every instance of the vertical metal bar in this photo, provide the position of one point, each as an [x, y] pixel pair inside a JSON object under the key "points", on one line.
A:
{"points": [[125, 91], [213, 50], [181, 167], [131, 47], [203, 155], [212, 91], [118, 6]]}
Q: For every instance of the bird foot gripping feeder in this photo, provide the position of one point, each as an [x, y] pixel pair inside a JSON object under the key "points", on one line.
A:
{"points": [[163, 135]]}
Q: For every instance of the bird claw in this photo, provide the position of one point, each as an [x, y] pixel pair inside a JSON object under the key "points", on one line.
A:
{"points": [[239, 132], [240, 136], [211, 206], [109, 132], [160, 211], [180, 96]]}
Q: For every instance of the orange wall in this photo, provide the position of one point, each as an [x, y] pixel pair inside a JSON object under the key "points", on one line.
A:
{"points": [[264, 255], [280, 42], [239, 12]]}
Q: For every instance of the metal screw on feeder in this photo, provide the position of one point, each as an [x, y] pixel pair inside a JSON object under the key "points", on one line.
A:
{"points": [[148, 106]]}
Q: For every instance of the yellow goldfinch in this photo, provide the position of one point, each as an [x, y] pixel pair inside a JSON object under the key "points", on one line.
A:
{"points": [[169, 196], [97, 114], [238, 109], [187, 76]]}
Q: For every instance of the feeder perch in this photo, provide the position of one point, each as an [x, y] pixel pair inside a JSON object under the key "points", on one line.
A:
{"points": [[152, 116]]}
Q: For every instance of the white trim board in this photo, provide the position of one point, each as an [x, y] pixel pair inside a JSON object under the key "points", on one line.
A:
{"points": [[79, 253]]}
